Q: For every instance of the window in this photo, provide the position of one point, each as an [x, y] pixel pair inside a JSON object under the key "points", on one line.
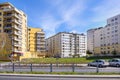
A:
{"points": [[0, 13], [108, 24], [0, 25], [108, 44], [116, 19], [116, 42], [112, 31], [112, 20], [116, 30]]}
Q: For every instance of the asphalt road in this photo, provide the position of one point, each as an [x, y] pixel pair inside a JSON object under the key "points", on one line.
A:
{"points": [[50, 78]]}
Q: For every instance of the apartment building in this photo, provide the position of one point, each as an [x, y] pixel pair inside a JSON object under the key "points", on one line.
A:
{"points": [[107, 39], [90, 39], [14, 22], [36, 41], [66, 44]]}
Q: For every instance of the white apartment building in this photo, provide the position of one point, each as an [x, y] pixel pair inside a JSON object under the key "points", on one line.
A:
{"points": [[66, 44], [107, 39], [90, 39]]}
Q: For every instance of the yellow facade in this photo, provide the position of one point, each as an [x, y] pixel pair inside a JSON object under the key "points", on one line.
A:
{"points": [[32, 38], [32, 41]]}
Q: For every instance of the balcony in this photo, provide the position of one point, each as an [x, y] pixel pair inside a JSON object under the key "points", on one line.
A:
{"points": [[7, 21], [9, 15], [16, 33], [16, 16], [7, 9], [17, 21], [7, 27], [17, 27], [16, 39], [17, 44]]}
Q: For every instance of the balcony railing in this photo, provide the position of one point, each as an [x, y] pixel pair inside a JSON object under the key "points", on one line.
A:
{"points": [[16, 33], [7, 27], [17, 27], [17, 39]]}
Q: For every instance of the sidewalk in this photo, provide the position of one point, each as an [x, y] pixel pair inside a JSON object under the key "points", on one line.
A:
{"points": [[62, 76]]}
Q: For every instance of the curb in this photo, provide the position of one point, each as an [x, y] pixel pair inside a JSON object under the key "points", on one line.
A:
{"points": [[62, 76]]}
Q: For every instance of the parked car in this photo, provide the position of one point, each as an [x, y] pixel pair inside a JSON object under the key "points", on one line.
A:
{"points": [[114, 62], [99, 63]]}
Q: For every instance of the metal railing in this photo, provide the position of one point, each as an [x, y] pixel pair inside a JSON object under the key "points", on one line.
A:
{"points": [[17, 67]]}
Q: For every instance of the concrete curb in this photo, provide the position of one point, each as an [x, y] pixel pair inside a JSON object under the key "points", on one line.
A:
{"points": [[62, 76]]}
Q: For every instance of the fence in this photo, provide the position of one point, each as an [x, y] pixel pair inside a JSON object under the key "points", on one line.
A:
{"points": [[15, 67]]}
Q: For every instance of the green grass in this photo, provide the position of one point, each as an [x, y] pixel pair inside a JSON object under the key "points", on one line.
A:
{"points": [[54, 60], [62, 73]]}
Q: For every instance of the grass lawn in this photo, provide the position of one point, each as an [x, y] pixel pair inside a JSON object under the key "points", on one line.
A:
{"points": [[54, 60]]}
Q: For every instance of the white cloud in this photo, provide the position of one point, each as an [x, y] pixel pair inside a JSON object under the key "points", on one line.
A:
{"points": [[106, 9], [67, 11], [49, 24], [74, 31], [71, 13]]}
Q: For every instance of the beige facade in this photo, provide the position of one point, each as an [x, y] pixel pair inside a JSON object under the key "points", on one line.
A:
{"points": [[14, 22]]}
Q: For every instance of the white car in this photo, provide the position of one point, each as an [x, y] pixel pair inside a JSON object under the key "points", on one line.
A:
{"points": [[99, 63], [114, 62]]}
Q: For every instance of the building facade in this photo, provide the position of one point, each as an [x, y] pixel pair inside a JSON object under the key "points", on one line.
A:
{"points": [[14, 23], [66, 44], [36, 41], [90, 39], [107, 39]]}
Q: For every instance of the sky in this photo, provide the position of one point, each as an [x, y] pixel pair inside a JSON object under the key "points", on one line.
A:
{"points": [[75, 16]]}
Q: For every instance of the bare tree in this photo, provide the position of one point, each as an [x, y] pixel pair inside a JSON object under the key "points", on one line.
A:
{"points": [[5, 45]]}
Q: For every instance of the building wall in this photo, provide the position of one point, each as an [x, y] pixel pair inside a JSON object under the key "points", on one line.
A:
{"points": [[66, 44], [107, 39], [14, 22], [90, 40], [33, 38], [36, 41]]}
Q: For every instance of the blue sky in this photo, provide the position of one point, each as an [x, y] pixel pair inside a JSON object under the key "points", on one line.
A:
{"points": [[67, 15]]}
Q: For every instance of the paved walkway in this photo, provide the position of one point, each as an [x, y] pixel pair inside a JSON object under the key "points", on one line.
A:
{"points": [[64, 76]]}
